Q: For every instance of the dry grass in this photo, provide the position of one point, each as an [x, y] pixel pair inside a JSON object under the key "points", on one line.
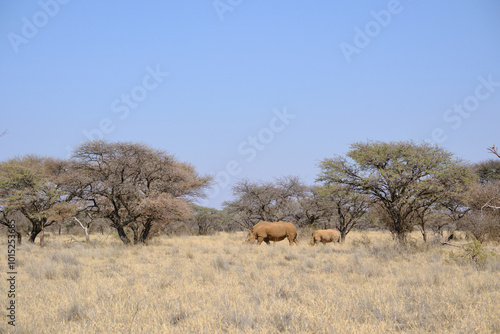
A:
{"points": [[213, 284]]}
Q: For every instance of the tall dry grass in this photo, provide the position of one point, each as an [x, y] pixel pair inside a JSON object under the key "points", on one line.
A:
{"points": [[213, 284]]}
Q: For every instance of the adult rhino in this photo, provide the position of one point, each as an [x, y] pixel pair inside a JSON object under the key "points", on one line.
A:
{"points": [[325, 236], [266, 231]]}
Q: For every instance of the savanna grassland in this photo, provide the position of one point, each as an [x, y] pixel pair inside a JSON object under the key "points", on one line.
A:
{"points": [[212, 284]]}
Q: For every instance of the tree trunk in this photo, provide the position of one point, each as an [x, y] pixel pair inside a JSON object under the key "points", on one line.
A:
{"points": [[401, 237], [452, 230], [85, 229], [42, 238], [398, 228], [145, 232], [342, 236], [122, 235], [421, 227], [135, 230], [87, 237], [34, 232]]}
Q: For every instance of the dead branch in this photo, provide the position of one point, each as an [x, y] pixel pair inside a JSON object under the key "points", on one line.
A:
{"points": [[74, 240], [79, 222], [85, 228], [487, 205], [448, 244], [494, 150], [459, 246]]}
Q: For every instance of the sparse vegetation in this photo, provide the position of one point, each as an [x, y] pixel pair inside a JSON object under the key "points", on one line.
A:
{"points": [[373, 282], [200, 284], [474, 254]]}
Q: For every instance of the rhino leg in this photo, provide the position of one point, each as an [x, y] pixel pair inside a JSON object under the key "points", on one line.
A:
{"points": [[313, 241], [292, 239]]}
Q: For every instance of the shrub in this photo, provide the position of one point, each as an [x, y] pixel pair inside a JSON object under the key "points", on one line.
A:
{"points": [[475, 254], [484, 227]]}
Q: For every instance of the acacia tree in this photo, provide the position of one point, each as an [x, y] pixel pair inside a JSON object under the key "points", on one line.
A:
{"points": [[206, 220], [397, 176], [309, 211], [484, 199], [265, 201], [496, 198], [28, 185], [421, 215], [448, 199], [132, 185], [482, 222], [488, 171], [456, 183], [344, 204]]}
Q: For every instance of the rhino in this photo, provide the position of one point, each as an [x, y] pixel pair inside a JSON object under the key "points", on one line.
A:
{"points": [[266, 231], [325, 236]]}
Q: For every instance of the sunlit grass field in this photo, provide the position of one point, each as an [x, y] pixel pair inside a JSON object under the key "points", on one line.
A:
{"points": [[213, 284]]}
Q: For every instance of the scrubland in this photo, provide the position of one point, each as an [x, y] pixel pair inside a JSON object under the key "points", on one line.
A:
{"points": [[213, 284]]}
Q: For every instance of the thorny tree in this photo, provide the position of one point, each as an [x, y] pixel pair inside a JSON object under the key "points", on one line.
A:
{"points": [[491, 202], [132, 185], [342, 204], [485, 200], [455, 184], [29, 185], [398, 176], [208, 220], [265, 201]]}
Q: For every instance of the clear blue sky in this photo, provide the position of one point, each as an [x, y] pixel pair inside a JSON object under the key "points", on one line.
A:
{"points": [[205, 80]]}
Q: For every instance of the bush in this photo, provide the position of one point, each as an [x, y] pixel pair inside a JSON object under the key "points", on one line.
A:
{"points": [[475, 254], [484, 227]]}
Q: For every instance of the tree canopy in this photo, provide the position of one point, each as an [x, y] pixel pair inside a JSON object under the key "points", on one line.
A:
{"points": [[29, 185], [398, 176], [132, 185]]}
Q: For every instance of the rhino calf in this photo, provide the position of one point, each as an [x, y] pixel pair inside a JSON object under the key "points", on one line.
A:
{"points": [[325, 236]]}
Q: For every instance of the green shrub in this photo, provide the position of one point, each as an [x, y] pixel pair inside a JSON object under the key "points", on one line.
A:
{"points": [[475, 254]]}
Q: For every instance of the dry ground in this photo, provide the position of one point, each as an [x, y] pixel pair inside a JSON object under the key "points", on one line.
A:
{"points": [[213, 284]]}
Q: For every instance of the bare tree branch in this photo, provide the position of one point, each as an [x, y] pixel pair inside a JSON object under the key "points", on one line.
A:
{"points": [[487, 205], [494, 150], [85, 228]]}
